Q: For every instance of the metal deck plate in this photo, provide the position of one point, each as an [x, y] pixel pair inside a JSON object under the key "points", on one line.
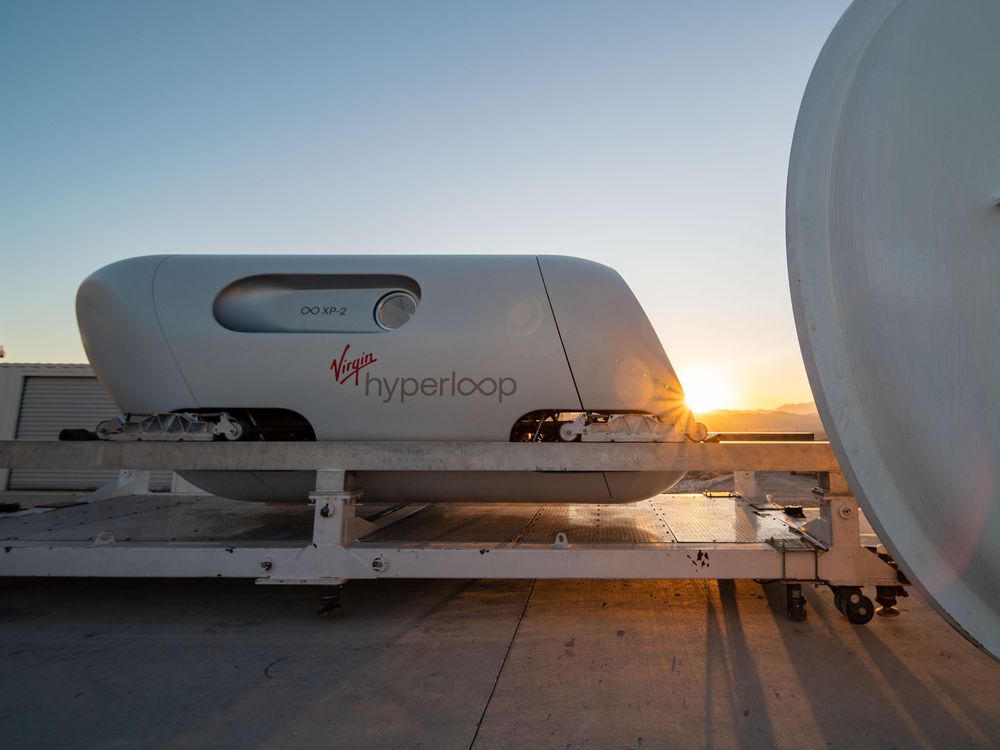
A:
{"points": [[636, 523], [695, 518], [461, 522], [156, 518], [665, 519]]}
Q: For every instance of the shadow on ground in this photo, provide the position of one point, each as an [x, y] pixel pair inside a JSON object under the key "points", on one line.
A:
{"points": [[445, 664]]}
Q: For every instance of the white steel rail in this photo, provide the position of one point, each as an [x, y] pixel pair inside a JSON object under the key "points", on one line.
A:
{"points": [[337, 551], [414, 456]]}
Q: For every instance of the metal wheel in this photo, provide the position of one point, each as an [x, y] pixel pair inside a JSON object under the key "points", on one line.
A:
{"points": [[236, 430], [856, 607]]}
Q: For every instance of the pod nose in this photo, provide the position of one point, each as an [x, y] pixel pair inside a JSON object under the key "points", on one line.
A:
{"points": [[116, 315]]}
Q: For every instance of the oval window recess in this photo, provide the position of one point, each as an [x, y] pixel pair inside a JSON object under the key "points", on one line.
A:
{"points": [[317, 303]]}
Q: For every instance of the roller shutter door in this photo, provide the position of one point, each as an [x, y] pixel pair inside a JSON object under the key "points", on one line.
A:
{"points": [[49, 404]]}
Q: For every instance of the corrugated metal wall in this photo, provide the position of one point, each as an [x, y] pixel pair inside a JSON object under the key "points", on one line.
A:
{"points": [[50, 404]]}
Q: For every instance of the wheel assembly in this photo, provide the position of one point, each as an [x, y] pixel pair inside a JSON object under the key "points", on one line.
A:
{"points": [[796, 602], [854, 605]]}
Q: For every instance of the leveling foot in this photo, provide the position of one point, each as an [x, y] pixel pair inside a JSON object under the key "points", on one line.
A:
{"points": [[330, 600], [886, 597]]}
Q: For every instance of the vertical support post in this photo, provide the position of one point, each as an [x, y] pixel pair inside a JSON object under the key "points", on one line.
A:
{"points": [[128, 482], [136, 480], [745, 485], [846, 566], [180, 486], [839, 511], [335, 519]]}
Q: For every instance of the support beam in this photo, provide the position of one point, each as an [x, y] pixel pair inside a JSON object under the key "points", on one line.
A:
{"points": [[334, 563], [411, 456], [337, 551]]}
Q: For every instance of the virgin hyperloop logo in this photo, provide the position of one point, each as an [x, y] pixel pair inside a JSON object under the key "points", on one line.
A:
{"points": [[347, 369], [344, 369]]}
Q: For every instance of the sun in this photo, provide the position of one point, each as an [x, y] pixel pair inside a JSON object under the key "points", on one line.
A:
{"points": [[705, 389]]}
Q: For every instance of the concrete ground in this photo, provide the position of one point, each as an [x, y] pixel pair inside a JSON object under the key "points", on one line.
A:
{"points": [[478, 664]]}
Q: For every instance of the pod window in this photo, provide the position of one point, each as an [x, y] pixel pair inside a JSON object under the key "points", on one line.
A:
{"points": [[318, 303]]}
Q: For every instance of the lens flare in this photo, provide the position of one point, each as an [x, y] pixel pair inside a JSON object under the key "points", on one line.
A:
{"points": [[706, 389]]}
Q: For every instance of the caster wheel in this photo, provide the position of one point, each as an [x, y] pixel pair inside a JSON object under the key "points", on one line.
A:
{"points": [[796, 603], [797, 612], [837, 590], [856, 607], [237, 431]]}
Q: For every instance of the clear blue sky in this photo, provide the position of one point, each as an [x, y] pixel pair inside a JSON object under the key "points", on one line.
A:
{"points": [[653, 137]]}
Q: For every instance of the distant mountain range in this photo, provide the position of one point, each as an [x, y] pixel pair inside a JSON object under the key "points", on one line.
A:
{"points": [[786, 418]]}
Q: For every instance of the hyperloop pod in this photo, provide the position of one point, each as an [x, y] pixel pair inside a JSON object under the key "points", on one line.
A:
{"points": [[407, 348]]}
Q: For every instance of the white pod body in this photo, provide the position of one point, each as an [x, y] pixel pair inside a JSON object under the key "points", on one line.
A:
{"points": [[424, 348]]}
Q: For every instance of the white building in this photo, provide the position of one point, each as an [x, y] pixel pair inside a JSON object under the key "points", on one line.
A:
{"points": [[39, 400]]}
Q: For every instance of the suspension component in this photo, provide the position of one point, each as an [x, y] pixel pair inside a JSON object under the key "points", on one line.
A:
{"points": [[172, 427]]}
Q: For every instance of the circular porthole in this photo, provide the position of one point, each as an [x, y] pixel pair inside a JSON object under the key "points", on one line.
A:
{"points": [[394, 310]]}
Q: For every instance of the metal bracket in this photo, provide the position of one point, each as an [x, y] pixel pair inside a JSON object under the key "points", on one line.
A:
{"points": [[335, 520], [804, 545], [128, 482]]}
